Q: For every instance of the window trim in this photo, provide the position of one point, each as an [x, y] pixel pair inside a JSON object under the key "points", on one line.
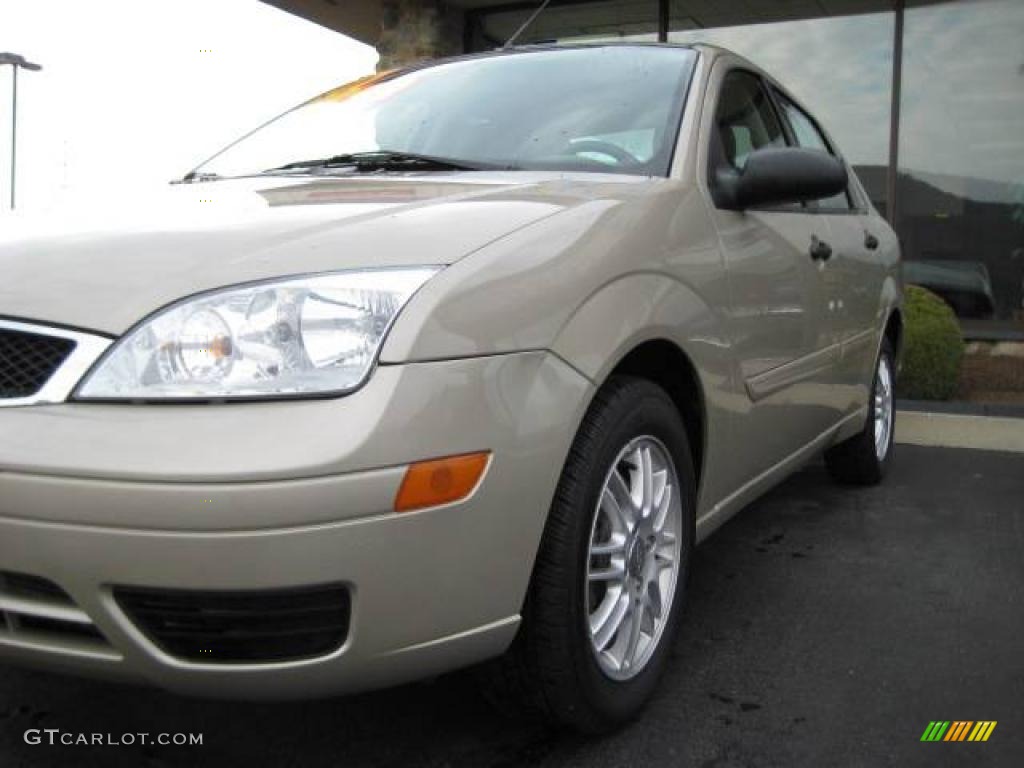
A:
{"points": [[779, 93], [783, 126]]}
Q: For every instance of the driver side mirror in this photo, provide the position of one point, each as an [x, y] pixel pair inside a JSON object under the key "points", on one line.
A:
{"points": [[779, 175]]}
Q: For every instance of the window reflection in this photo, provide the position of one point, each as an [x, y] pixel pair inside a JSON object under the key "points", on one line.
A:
{"points": [[600, 20], [839, 67], [960, 207]]}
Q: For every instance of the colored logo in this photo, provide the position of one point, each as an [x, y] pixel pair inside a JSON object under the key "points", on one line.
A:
{"points": [[958, 730]]}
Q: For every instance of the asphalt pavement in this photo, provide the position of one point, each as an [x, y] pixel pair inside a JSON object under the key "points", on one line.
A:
{"points": [[825, 626]]}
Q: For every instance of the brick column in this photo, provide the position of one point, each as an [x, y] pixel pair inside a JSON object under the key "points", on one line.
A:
{"points": [[416, 30]]}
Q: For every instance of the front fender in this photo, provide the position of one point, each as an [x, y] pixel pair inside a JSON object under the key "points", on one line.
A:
{"points": [[644, 307], [637, 308], [512, 296]]}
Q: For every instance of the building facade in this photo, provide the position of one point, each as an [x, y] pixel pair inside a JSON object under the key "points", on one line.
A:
{"points": [[926, 100]]}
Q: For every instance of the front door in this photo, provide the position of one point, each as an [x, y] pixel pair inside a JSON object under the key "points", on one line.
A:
{"points": [[778, 316], [852, 275]]}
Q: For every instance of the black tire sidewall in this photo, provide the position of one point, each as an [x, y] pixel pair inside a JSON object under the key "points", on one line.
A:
{"points": [[651, 414]]}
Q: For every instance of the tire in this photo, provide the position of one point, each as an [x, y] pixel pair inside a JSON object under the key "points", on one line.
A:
{"points": [[553, 666], [864, 458]]}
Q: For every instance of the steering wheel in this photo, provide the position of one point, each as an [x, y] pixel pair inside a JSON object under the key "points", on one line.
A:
{"points": [[598, 147]]}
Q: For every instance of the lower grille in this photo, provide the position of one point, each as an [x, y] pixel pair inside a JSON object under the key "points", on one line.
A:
{"points": [[241, 627], [33, 587], [37, 612], [28, 360], [59, 628]]}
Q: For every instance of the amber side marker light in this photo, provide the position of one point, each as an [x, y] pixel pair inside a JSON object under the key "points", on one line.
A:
{"points": [[440, 481]]}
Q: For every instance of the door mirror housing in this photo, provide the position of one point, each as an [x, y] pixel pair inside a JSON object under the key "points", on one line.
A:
{"points": [[779, 175]]}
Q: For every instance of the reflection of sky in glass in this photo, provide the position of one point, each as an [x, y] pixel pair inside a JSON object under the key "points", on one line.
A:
{"points": [[963, 93], [488, 110], [962, 111], [840, 68]]}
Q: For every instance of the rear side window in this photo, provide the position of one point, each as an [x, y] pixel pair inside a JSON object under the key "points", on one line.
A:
{"points": [[807, 135], [745, 119]]}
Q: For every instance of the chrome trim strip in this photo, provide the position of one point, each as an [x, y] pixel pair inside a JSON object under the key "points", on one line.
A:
{"points": [[88, 348]]}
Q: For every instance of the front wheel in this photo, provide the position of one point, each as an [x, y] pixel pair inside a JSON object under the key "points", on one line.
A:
{"points": [[864, 458], [607, 588]]}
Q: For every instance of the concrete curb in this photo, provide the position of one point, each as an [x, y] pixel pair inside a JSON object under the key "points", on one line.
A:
{"points": [[1008, 410], [950, 430]]}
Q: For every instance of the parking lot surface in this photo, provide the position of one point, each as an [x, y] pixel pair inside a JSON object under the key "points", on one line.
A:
{"points": [[825, 626]]}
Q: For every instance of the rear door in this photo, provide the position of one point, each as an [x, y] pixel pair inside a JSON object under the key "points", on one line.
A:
{"points": [[852, 275], [781, 338]]}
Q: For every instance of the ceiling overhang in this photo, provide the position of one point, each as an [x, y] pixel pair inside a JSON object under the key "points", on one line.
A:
{"points": [[361, 19]]}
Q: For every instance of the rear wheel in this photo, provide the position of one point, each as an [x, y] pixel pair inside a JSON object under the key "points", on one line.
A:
{"points": [[864, 458], [607, 588]]}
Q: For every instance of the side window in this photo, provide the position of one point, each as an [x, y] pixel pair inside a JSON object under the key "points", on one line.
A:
{"points": [[808, 135], [745, 119]]}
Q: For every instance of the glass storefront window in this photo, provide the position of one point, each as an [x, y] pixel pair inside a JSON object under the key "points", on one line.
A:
{"points": [[839, 67], [600, 20], [959, 205], [960, 211]]}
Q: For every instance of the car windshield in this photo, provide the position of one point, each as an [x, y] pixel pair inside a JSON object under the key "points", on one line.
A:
{"points": [[607, 109]]}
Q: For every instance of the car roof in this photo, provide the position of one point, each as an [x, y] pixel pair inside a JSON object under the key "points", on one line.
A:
{"points": [[708, 50]]}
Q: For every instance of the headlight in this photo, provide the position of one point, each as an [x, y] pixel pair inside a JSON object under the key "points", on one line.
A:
{"points": [[308, 335]]}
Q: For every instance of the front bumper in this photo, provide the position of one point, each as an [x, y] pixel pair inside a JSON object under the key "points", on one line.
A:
{"points": [[278, 495]]}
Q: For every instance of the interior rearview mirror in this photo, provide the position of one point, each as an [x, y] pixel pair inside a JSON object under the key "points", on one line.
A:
{"points": [[779, 175]]}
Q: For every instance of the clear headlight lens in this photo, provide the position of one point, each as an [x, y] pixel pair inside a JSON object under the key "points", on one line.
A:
{"points": [[309, 335]]}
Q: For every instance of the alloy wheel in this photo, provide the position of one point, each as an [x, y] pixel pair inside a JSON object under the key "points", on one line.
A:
{"points": [[883, 407], [633, 560]]}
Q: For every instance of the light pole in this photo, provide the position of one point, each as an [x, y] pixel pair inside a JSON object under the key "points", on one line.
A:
{"points": [[16, 62]]}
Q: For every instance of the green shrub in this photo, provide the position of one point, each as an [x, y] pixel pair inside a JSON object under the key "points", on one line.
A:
{"points": [[933, 347]]}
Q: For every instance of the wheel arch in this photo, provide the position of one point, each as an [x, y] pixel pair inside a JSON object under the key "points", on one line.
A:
{"points": [[894, 330], [653, 325], [664, 363]]}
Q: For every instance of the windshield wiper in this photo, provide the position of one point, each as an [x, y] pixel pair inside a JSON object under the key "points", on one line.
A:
{"points": [[194, 177], [388, 160]]}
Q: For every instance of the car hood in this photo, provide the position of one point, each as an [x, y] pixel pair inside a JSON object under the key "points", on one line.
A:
{"points": [[105, 267]]}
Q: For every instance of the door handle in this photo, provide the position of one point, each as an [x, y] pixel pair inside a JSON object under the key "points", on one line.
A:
{"points": [[870, 241], [820, 250]]}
